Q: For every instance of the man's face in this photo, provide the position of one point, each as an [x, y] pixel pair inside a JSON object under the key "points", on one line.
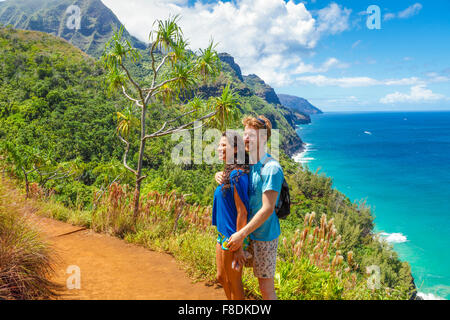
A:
{"points": [[250, 139]]}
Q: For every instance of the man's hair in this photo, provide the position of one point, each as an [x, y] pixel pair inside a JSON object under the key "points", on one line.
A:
{"points": [[260, 122]]}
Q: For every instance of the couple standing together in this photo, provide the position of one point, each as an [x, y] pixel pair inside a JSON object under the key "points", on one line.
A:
{"points": [[244, 209]]}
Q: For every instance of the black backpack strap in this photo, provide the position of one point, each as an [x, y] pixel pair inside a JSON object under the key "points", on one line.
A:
{"points": [[267, 161]]}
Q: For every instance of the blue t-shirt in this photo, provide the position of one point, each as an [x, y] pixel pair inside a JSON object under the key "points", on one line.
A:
{"points": [[224, 213], [262, 179]]}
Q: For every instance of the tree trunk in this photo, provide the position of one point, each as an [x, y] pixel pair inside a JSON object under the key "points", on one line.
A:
{"points": [[136, 198], [27, 184], [137, 191]]}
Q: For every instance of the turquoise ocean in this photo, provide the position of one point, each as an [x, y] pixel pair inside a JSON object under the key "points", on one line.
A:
{"points": [[399, 162]]}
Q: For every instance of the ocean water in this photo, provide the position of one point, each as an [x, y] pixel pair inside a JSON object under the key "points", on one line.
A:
{"points": [[400, 164]]}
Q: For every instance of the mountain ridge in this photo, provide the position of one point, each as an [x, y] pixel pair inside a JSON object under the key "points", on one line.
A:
{"points": [[97, 21], [298, 104]]}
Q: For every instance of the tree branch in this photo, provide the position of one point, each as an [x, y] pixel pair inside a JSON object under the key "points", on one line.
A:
{"points": [[125, 155], [130, 98], [161, 133], [153, 89], [153, 62], [133, 82], [173, 120]]}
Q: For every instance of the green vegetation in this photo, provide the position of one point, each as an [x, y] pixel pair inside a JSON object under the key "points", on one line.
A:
{"points": [[56, 115], [25, 258]]}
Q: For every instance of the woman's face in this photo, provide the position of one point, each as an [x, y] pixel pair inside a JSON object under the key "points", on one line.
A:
{"points": [[224, 149]]}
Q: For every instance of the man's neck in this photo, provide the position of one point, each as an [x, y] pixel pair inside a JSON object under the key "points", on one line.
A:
{"points": [[261, 153]]}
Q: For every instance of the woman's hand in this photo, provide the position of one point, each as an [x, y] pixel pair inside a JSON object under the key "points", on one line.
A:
{"points": [[239, 259], [219, 177]]}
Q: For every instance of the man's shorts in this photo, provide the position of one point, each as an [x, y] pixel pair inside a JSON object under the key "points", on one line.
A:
{"points": [[264, 258]]}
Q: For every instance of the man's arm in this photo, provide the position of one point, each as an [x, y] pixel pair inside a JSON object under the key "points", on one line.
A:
{"points": [[269, 200], [219, 177]]}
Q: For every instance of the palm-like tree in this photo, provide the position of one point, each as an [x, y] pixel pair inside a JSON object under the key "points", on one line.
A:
{"points": [[179, 51], [167, 34], [208, 61], [186, 79], [126, 120], [225, 107], [173, 76]]}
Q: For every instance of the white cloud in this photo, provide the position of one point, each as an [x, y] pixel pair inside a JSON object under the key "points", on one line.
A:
{"points": [[410, 11], [417, 94], [407, 13], [333, 19], [404, 82], [434, 77], [327, 65], [356, 43], [346, 82], [266, 37], [389, 16], [350, 82]]}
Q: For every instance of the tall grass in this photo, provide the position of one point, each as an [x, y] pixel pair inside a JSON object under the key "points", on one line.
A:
{"points": [[313, 262], [25, 259]]}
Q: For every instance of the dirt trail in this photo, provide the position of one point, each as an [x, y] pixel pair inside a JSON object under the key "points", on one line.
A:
{"points": [[111, 268]]}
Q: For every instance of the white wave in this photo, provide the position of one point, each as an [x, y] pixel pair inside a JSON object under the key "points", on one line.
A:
{"points": [[429, 296], [368, 132], [304, 160], [394, 237], [301, 156]]}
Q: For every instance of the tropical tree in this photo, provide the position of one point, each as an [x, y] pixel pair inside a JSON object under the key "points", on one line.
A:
{"points": [[173, 77], [225, 108], [37, 166]]}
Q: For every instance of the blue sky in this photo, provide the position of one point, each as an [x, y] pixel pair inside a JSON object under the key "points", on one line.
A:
{"points": [[322, 50]]}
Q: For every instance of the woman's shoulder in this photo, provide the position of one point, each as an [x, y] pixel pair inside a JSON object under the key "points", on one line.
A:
{"points": [[238, 173]]}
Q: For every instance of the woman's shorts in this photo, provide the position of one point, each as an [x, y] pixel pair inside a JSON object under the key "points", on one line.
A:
{"points": [[264, 258], [223, 241]]}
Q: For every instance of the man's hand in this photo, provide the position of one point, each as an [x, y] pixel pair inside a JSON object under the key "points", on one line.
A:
{"points": [[219, 177], [239, 258], [236, 241]]}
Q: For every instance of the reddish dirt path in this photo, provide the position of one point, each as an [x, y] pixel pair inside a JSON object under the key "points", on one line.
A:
{"points": [[113, 269]]}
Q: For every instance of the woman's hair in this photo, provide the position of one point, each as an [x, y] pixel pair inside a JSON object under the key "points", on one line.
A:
{"points": [[235, 141]]}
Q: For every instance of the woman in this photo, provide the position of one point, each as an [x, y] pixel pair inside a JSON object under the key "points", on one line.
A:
{"points": [[230, 211]]}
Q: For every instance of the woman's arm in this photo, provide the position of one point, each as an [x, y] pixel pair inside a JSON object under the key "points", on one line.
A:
{"points": [[242, 213], [241, 221]]}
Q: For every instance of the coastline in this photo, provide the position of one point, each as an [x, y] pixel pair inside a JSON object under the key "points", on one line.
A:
{"points": [[301, 155]]}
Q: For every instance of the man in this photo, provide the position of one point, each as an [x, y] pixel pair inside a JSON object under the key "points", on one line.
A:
{"points": [[266, 179]]}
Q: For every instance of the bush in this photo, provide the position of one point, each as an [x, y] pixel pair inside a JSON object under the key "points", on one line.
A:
{"points": [[25, 260]]}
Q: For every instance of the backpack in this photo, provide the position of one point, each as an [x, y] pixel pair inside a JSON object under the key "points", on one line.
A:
{"points": [[283, 208]]}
